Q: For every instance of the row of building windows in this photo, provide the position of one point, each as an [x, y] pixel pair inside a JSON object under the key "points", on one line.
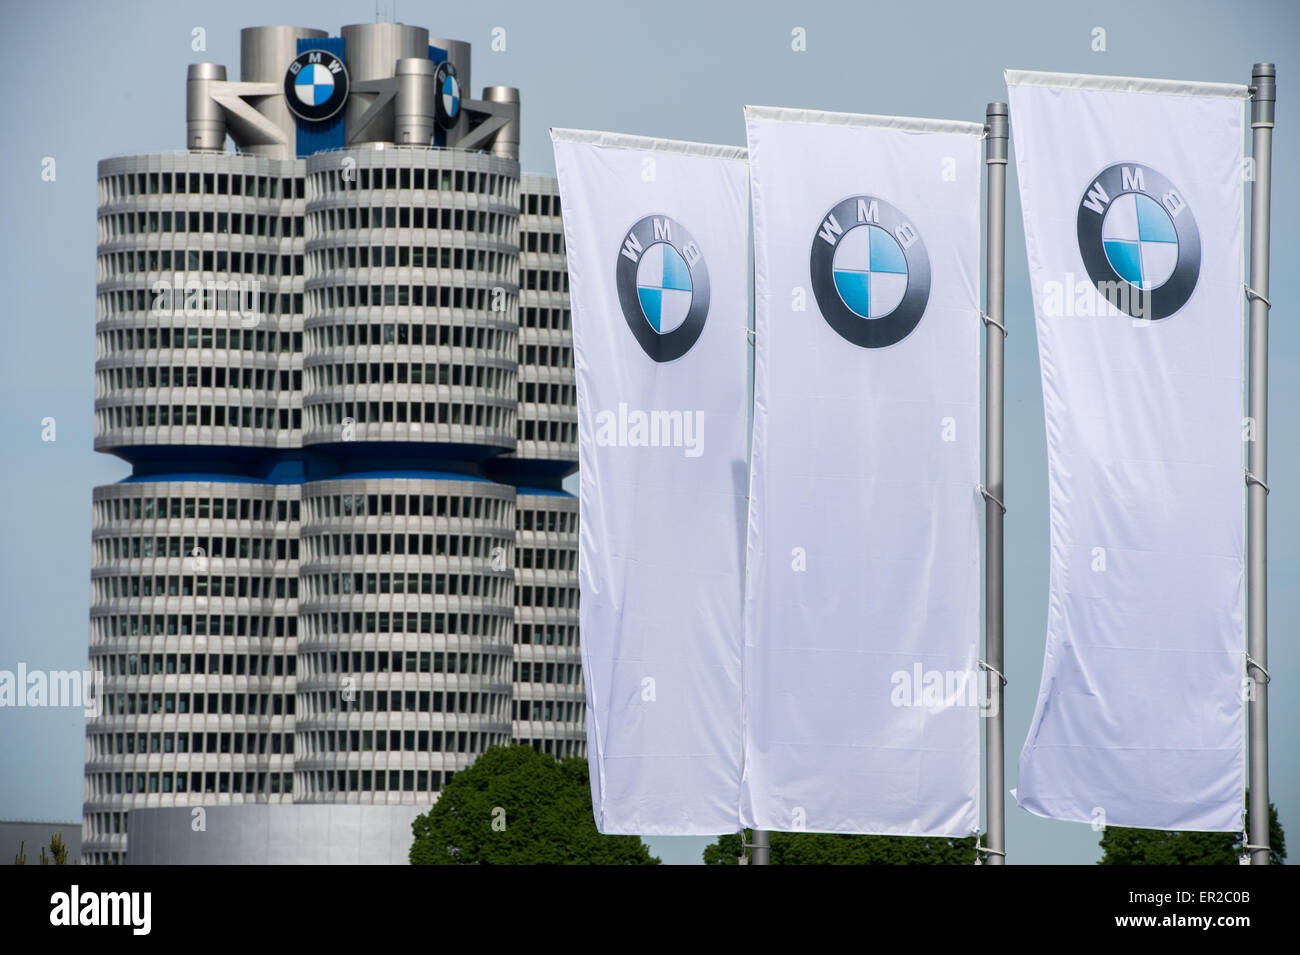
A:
{"points": [[546, 519], [550, 710], [540, 204], [420, 256], [215, 625], [415, 373], [462, 585], [239, 744], [403, 701], [544, 280], [177, 376], [244, 783], [356, 623], [543, 672], [365, 780], [324, 222], [340, 413], [546, 558], [546, 634], [527, 596], [199, 548], [216, 664], [322, 506], [547, 393], [116, 225], [352, 334], [234, 508], [344, 293], [262, 264], [143, 416], [226, 704], [384, 741], [255, 304], [205, 184], [320, 546], [533, 241], [452, 585], [278, 588], [554, 318], [559, 431], [402, 661], [234, 339], [458, 180]]}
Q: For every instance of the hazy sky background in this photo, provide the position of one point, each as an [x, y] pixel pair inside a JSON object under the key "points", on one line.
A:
{"points": [[91, 80]]}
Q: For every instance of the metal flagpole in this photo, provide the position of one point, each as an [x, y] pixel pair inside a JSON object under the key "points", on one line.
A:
{"points": [[1263, 95], [995, 159], [762, 847]]}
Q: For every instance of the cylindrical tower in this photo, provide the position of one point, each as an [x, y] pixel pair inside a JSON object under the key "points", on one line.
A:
{"points": [[200, 297], [405, 651], [193, 629], [412, 330]]}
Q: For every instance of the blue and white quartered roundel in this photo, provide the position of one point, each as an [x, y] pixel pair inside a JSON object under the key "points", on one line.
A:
{"points": [[663, 286], [451, 95], [314, 85], [870, 271], [1140, 242]]}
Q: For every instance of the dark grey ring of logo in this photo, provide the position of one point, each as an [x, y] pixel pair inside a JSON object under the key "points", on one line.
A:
{"points": [[839, 221], [338, 72], [1131, 177], [646, 232]]}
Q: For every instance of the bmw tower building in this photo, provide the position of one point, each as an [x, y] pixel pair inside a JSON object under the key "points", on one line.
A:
{"points": [[338, 361]]}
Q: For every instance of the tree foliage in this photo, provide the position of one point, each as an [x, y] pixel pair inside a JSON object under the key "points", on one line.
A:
{"points": [[1156, 847], [515, 806], [817, 848]]}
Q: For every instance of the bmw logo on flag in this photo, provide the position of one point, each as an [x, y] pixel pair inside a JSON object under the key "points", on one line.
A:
{"points": [[663, 287], [446, 104], [315, 85], [870, 272], [1139, 241]]}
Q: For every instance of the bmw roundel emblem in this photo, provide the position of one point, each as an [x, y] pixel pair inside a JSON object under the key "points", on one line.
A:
{"points": [[446, 103], [663, 286], [870, 272], [315, 85], [1139, 241]]}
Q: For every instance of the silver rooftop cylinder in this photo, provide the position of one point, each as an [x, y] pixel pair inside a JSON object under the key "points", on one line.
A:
{"points": [[413, 119], [264, 55], [506, 141], [372, 51], [205, 122]]}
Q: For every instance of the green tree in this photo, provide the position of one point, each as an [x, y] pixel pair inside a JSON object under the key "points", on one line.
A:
{"points": [[515, 806], [817, 848], [1156, 847]]}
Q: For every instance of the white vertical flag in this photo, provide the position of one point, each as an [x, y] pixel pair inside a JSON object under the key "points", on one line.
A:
{"points": [[656, 233], [1132, 197], [862, 577]]}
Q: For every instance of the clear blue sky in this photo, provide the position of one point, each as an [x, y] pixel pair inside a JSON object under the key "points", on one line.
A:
{"points": [[89, 80]]}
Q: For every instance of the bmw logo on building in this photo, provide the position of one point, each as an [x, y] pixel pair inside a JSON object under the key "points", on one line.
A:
{"points": [[1139, 241], [663, 287], [315, 85], [870, 272], [446, 104]]}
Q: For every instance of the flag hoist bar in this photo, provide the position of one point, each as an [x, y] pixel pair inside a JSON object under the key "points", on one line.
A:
{"points": [[994, 850], [1263, 95]]}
